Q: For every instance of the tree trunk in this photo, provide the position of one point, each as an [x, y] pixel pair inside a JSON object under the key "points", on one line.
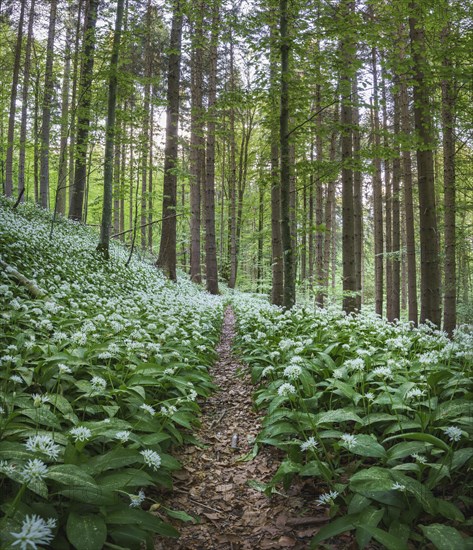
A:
{"points": [[211, 270], [285, 175], [110, 141], [145, 127], [24, 102], [348, 221], [61, 191], [319, 205], [83, 109], [197, 148], [408, 204], [167, 246], [357, 198], [47, 100], [396, 216], [150, 178], [377, 194], [449, 201], [388, 207], [233, 179], [430, 266], [13, 95]]}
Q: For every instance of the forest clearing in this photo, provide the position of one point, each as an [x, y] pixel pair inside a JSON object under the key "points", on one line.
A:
{"points": [[236, 274]]}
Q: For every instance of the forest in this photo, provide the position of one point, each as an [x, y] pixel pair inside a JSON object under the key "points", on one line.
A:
{"points": [[236, 264]]}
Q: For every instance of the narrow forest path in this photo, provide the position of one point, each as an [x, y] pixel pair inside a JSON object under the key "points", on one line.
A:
{"points": [[213, 482]]}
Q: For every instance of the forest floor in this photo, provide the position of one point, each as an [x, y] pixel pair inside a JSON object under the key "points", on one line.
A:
{"points": [[214, 481]]}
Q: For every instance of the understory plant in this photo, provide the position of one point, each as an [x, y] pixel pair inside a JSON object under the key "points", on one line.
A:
{"points": [[101, 369], [379, 414]]}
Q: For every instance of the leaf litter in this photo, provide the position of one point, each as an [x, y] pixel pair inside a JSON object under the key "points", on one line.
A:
{"points": [[221, 479]]}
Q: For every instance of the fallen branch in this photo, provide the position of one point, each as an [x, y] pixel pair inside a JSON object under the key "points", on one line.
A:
{"points": [[294, 522], [35, 291]]}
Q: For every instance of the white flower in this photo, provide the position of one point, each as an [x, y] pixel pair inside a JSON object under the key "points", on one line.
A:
{"points": [[39, 399], [349, 440], [104, 355], [34, 470], [292, 371], [369, 395], [398, 487], [327, 498], [168, 411], [267, 370], [453, 432], [2, 410], [123, 436], [151, 458], [311, 443], [43, 444], [98, 383], [169, 371], [383, 372], [148, 408], [64, 369], [81, 433], [355, 364], [414, 392], [286, 389], [17, 379], [192, 395], [419, 458], [34, 531], [137, 500]]}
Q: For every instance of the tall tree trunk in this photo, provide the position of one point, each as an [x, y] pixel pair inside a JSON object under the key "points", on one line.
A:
{"points": [[233, 179], [83, 109], [388, 206], [117, 174], [167, 247], [13, 95], [449, 201], [36, 152], [61, 192], [357, 197], [24, 102], [150, 178], [310, 216], [277, 266], [396, 219], [430, 265], [346, 122], [260, 271], [211, 270], [197, 150], [408, 204], [110, 141], [47, 100], [285, 175], [319, 204], [144, 145], [377, 194]]}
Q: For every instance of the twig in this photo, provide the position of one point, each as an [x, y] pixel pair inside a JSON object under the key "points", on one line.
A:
{"points": [[219, 419], [295, 522], [35, 291]]}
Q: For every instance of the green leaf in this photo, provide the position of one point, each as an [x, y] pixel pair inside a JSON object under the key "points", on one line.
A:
{"points": [[372, 479], [370, 516], [449, 510], [443, 537], [71, 475], [86, 532], [337, 415], [367, 446], [180, 515], [113, 460], [387, 540], [142, 519], [419, 436], [334, 528]]}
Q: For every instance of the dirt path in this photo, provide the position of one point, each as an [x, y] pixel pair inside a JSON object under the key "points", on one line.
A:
{"points": [[213, 483]]}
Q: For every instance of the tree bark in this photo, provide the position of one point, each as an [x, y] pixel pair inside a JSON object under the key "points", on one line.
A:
{"points": [[211, 270], [167, 246], [84, 114], [13, 96], [430, 265], [396, 215], [110, 141], [357, 198]]}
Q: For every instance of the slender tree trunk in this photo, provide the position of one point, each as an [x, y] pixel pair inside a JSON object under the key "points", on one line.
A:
{"points": [[233, 179], [145, 127], [197, 150], [13, 96], [61, 192], [24, 102], [388, 208], [260, 272], [211, 270], [285, 175], [167, 246], [430, 265], [377, 194], [36, 152], [348, 221], [110, 141], [117, 175], [47, 100], [303, 254], [84, 108], [408, 205], [310, 216], [396, 219], [449, 201], [357, 197], [150, 178], [319, 204], [277, 265]]}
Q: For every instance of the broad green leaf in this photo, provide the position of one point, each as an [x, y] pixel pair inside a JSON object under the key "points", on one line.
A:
{"points": [[372, 479], [144, 520], [389, 541], [113, 460], [334, 528], [86, 532], [72, 476], [369, 516], [367, 446], [337, 415], [443, 537], [448, 510], [419, 436]]}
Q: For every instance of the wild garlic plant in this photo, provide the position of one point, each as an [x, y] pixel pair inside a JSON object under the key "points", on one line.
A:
{"points": [[379, 413], [99, 377]]}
